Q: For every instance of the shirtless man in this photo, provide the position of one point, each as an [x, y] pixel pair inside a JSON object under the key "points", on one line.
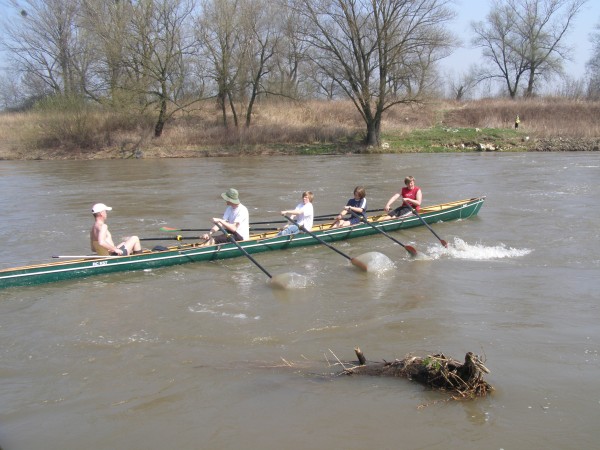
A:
{"points": [[101, 241]]}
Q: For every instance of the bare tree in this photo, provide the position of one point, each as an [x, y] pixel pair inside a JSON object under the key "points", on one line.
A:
{"points": [[11, 95], [240, 38], [377, 51], [219, 33], [593, 66], [261, 23], [108, 21], [523, 41], [158, 42], [462, 85], [291, 58], [325, 85], [46, 45]]}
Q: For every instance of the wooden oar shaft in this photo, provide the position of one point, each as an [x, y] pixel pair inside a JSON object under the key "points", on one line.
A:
{"points": [[363, 219], [171, 230], [85, 256], [167, 238], [242, 249], [327, 244], [443, 242], [276, 222], [320, 218]]}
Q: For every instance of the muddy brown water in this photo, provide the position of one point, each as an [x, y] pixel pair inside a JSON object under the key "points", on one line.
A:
{"points": [[192, 357]]}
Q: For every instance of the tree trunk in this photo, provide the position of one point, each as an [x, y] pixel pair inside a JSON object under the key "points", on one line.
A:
{"points": [[251, 102], [223, 107], [373, 133], [233, 111], [162, 115], [530, 83]]}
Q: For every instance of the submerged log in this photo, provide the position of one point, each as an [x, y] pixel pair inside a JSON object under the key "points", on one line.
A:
{"points": [[435, 371]]}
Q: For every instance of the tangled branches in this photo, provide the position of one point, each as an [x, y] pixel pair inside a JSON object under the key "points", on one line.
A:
{"points": [[464, 380]]}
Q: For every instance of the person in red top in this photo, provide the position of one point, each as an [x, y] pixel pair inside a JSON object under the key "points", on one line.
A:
{"points": [[411, 199]]}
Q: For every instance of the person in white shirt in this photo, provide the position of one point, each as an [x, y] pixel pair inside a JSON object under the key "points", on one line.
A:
{"points": [[303, 214], [236, 220]]}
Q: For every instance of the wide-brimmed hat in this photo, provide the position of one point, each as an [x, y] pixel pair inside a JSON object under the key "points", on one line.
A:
{"points": [[99, 207], [231, 196]]}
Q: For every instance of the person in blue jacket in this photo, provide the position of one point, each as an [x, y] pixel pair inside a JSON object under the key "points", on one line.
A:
{"points": [[358, 205]]}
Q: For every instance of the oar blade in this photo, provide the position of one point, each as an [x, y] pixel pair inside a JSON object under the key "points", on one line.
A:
{"points": [[444, 243], [358, 263], [410, 249], [169, 229]]}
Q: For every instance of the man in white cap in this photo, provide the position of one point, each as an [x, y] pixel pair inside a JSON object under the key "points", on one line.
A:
{"points": [[235, 221], [101, 240]]}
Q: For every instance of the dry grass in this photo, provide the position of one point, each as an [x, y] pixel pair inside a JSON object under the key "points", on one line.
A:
{"points": [[272, 123], [542, 117], [276, 126]]}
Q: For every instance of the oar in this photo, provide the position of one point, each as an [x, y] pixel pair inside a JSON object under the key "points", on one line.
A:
{"points": [[354, 261], [443, 242], [167, 238], [272, 222], [170, 229], [242, 249], [363, 219], [85, 256], [321, 218]]}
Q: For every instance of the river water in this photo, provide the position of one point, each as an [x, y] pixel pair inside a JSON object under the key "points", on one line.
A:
{"points": [[210, 356]]}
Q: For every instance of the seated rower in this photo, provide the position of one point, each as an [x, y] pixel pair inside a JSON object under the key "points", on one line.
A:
{"points": [[358, 205], [412, 198], [235, 221], [303, 214], [101, 240]]}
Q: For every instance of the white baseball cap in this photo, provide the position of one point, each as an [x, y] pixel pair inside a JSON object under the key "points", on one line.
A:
{"points": [[99, 207]]}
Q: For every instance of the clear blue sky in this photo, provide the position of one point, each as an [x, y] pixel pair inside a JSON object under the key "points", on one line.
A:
{"points": [[476, 10]]}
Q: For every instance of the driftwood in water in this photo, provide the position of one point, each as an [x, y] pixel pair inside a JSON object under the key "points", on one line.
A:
{"points": [[435, 371]]}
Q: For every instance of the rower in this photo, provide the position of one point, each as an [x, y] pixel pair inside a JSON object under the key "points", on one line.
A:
{"points": [[101, 240]]}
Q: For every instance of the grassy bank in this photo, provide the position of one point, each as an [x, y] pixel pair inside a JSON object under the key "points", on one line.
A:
{"points": [[316, 127]]}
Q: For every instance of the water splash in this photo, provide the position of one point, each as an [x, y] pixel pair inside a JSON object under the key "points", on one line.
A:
{"points": [[290, 280], [376, 262], [460, 249]]}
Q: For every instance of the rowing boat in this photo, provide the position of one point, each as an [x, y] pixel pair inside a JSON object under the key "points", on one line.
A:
{"points": [[194, 252]]}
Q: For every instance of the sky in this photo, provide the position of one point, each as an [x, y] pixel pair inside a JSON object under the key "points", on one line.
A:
{"points": [[476, 10]]}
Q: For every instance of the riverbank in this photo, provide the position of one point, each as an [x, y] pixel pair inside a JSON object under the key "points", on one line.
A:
{"points": [[304, 128]]}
